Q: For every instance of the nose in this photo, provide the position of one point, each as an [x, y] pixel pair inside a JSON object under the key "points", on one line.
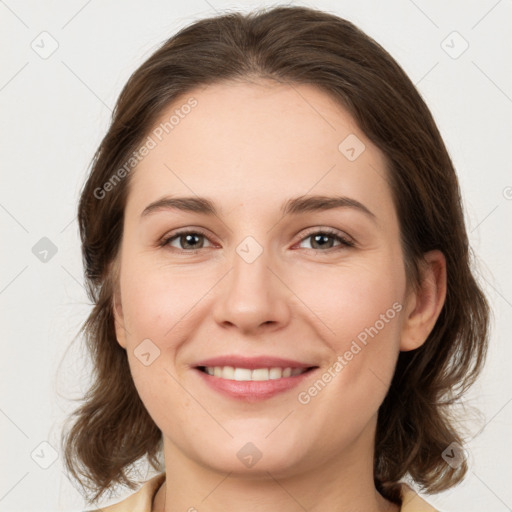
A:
{"points": [[252, 297]]}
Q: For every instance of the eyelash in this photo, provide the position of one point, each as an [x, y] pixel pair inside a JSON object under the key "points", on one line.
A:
{"points": [[345, 242]]}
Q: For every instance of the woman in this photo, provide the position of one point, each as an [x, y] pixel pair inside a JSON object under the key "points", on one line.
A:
{"points": [[274, 241]]}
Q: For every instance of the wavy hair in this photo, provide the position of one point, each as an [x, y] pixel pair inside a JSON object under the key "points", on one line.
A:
{"points": [[111, 430]]}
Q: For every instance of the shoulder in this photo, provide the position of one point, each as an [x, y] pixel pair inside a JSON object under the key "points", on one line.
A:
{"points": [[412, 502], [140, 501]]}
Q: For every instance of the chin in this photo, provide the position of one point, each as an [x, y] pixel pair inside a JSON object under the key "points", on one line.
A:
{"points": [[252, 455]]}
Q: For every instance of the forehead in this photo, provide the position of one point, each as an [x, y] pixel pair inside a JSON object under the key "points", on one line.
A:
{"points": [[258, 141]]}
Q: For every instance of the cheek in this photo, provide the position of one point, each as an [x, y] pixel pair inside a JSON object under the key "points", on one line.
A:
{"points": [[157, 300], [359, 310], [162, 396], [159, 308], [351, 299], [364, 349], [154, 317]]}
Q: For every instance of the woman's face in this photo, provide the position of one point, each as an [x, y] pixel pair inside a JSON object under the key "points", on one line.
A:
{"points": [[261, 278]]}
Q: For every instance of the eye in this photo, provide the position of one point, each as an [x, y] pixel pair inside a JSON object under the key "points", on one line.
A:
{"points": [[187, 241], [193, 241], [320, 239]]}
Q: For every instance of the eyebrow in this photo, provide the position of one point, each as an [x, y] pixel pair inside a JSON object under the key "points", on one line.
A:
{"points": [[293, 206]]}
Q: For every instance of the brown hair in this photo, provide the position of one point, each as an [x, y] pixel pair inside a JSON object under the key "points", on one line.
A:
{"points": [[295, 45]]}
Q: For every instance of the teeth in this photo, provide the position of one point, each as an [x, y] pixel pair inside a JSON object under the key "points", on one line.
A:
{"points": [[275, 373], [258, 374], [242, 374]]}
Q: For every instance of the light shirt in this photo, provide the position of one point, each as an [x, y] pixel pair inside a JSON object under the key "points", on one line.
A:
{"points": [[142, 500]]}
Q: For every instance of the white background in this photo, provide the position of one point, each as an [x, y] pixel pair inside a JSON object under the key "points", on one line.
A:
{"points": [[55, 112]]}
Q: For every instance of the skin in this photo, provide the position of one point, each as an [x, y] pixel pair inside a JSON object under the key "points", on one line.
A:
{"points": [[249, 147]]}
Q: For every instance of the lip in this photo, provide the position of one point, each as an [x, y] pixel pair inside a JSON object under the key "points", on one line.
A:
{"points": [[253, 363], [253, 391]]}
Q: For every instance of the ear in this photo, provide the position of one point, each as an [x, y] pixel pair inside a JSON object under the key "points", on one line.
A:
{"points": [[424, 305], [117, 306]]}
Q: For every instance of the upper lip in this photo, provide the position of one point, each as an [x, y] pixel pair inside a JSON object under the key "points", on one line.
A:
{"points": [[252, 363]]}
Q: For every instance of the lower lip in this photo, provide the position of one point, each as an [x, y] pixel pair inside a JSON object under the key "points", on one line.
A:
{"points": [[253, 391]]}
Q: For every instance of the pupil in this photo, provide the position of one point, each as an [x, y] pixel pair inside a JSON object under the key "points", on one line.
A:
{"points": [[316, 238], [188, 239]]}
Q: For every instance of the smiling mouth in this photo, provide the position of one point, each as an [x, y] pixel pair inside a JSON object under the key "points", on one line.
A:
{"points": [[256, 374]]}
